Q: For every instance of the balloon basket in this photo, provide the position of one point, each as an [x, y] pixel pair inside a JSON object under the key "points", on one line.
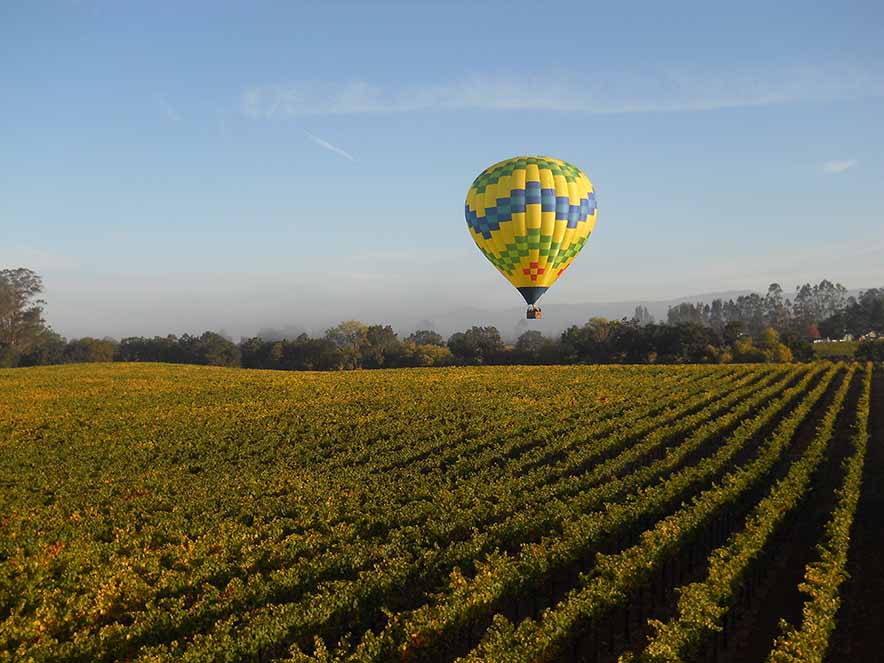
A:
{"points": [[534, 314]]}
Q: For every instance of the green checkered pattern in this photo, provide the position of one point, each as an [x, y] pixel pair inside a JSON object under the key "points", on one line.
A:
{"points": [[513, 253], [573, 249], [493, 174]]}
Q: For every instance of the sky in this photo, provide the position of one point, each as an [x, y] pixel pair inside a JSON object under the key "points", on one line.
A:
{"points": [[176, 167]]}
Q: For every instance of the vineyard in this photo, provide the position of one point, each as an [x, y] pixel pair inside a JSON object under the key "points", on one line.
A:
{"points": [[574, 513]]}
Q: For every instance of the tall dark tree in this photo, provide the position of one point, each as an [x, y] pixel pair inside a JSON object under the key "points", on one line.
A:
{"points": [[858, 317], [589, 343], [477, 345], [716, 315], [685, 313], [870, 351], [777, 309], [381, 347], [318, 354], [21, 312], [425, 337], [213, 349], [159, 348], [89, 349], [813, 304], [532, 347], [632, 342], [750, 311], [48, 348]]}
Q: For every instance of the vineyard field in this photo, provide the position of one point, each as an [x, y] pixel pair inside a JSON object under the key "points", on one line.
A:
{"points": [[640, 514]]}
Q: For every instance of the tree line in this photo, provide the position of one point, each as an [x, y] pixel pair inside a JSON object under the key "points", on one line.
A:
{"points": [[814, 311], [752, 328]]}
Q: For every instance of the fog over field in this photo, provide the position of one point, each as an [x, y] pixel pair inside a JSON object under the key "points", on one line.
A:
{"points": [[87, 301]]}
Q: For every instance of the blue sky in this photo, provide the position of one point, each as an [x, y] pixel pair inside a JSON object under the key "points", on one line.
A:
{"points": [[172, 167]]}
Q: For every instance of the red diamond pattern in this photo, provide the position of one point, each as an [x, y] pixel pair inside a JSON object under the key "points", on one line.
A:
{"points": [[533, 271]]}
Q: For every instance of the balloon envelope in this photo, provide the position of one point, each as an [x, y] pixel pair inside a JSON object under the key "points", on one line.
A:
{"points": [[530, 216]]}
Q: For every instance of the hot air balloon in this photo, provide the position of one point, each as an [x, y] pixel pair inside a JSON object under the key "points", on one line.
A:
{"points": [[530, 216]]}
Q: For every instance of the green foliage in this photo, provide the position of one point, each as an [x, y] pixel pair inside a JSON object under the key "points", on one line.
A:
{"points": [[835, 350], [767, 348], [47, 348], [616, 576], [703, 605], [196, 513], [425, 337], [349, 337], [88, 349], [210, 349], [823, 578], [477, 345], [425, 354], [870, 350], [21, 312]]}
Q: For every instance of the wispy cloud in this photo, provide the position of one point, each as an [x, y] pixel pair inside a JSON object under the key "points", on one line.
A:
{"points": [[839, 166], [659, 90], [331, 148], [168, 110]]}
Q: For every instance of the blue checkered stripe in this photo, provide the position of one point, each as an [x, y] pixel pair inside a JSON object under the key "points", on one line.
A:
{"points": [[532, 194]]}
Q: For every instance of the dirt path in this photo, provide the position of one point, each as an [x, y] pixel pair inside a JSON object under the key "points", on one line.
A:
{"points": [[859, 634]]}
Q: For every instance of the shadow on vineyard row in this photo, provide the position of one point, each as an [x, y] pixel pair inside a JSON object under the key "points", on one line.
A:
{"points": [[859, 630], [533, 596], [627, 627], [751, 627], [607, 635]]}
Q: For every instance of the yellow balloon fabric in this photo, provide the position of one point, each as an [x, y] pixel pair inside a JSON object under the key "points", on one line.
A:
{"points": [[530, 216]]}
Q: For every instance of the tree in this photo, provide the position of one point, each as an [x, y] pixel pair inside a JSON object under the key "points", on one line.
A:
{"points": [[745, 352], [299, 354], [532, 347], [831, 298], [750, 311], [319, 354], [381, 347], [349, 337], [477, 345], [21, 311], [777, 311], [684, 313], [530, 342], [48, 348], [165, 349], [859, 316], [804, 306], [255, 353], [642, 316], [798, 344], [870, 351], [426, 337], [589, 343], [819, 302], [212, 349], [88, 349], [632, 342], [425, 354], [716, 315]]}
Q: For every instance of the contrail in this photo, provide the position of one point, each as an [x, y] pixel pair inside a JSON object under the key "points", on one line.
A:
{"points": [[329, 146]]}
